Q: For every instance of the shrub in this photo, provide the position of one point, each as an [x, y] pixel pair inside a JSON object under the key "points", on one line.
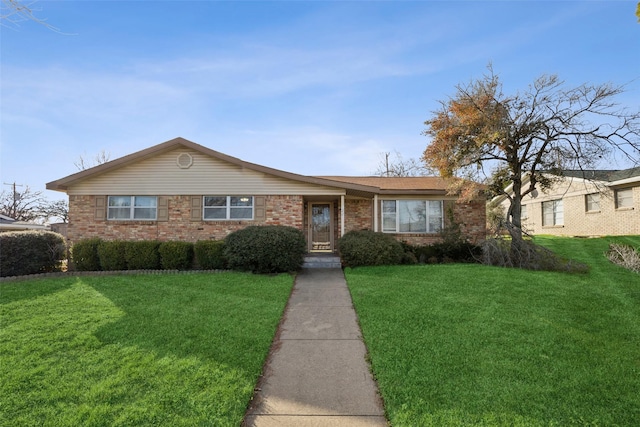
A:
{"points": [[625, 256], [112, 255], [30, 252], [142, 255], [369, 248], [266, 249], [209, 254], [528, 255], [176, 255], [84, 254]]}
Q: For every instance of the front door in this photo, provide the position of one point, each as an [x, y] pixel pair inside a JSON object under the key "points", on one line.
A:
{"points": [[321, 227]]}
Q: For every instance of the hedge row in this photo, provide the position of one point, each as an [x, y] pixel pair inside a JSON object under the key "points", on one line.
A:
{"points": [[259, 249], [30, 252], [95, 254], [364, 247]]}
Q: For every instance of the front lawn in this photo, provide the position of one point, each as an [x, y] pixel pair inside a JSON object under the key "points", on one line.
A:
{"points": [[455, 345], [171, 350]]}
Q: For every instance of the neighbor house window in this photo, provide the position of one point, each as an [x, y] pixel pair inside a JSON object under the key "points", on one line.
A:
{"points": [[552, 213], [592, 202], [412, 216], [227, 207], [523, 213], [624, 198], [132, 207]]}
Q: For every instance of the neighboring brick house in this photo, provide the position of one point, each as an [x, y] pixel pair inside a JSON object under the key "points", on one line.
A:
{"points": [[584, 203], [179, 190]]}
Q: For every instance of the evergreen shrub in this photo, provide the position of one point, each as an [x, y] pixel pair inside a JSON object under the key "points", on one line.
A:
{"points": [[84, 254], [176, 255], [209, 254], [112, 255], [364, 247], [142, 255], [30, 252], [266, 249]]}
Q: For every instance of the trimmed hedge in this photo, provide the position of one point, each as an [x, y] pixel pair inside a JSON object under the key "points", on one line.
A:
{"points": [[209, 254], [364, 247], [30, 252], [142, 255], [266, 249], [176, 255], [84, 254], [112, 255]]}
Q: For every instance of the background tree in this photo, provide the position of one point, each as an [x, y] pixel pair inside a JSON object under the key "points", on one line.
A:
{"points": [[22, 205], [548, 127], [84, 163], [13, 12], [57, 210], [396, 166]]}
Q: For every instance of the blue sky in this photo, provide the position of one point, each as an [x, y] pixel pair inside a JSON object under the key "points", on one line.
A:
{"points": [[316, 88]]}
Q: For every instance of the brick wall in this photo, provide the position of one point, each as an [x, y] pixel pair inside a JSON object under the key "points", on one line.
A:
{"points": [[470, 215], [280, 210], [608, 220], [578, 222]]}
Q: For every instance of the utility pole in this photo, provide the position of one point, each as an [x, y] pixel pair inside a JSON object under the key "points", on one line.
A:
{"points": [[15, 197]]}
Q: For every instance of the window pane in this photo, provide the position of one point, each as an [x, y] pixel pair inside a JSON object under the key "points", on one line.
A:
{"points": [[412, 215], [523, 212], [593, 202], [215, 213], [215, 201], [145, 201], [241, 213], [144, 213], [119, 213], [547, 213], [435, 216], [119, 201], [624, 198], [558, 213], [242, 201], [389, 215]]}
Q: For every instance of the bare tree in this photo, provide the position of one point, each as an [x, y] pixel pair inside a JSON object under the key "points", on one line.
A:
{"points": [[83, 163], [13, 12], [57, 209], [397, 166], [547, 128], [21, 205]]}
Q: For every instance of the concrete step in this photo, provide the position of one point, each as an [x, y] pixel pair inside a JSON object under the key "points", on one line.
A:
{"points": [[323, 261]]}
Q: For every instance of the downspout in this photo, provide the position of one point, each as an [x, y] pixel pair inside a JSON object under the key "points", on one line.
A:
{"points": [[375, 212], [342, 215]]}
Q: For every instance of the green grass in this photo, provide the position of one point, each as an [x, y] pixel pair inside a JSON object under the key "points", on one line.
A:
{"points": [[462, 345], [162, 350]]}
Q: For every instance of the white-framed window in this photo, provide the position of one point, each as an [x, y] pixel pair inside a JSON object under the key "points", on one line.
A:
{"points": [[218, 208], [552, 213], [412, 216], [143, 208], [592, 202], [624, 198], [523, 213]]}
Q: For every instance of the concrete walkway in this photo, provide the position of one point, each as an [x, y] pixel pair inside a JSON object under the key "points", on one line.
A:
{"points": [[316, 374]]}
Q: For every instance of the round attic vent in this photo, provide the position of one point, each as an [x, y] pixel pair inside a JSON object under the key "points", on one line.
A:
{"points": [[184, 160]]}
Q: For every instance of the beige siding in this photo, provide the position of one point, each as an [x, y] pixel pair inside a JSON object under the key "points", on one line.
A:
{"points": [[161, 175], [577, 221]]}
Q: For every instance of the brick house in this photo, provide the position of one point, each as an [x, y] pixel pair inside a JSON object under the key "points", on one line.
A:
{"points": [[179, 190], [584, 203]]}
